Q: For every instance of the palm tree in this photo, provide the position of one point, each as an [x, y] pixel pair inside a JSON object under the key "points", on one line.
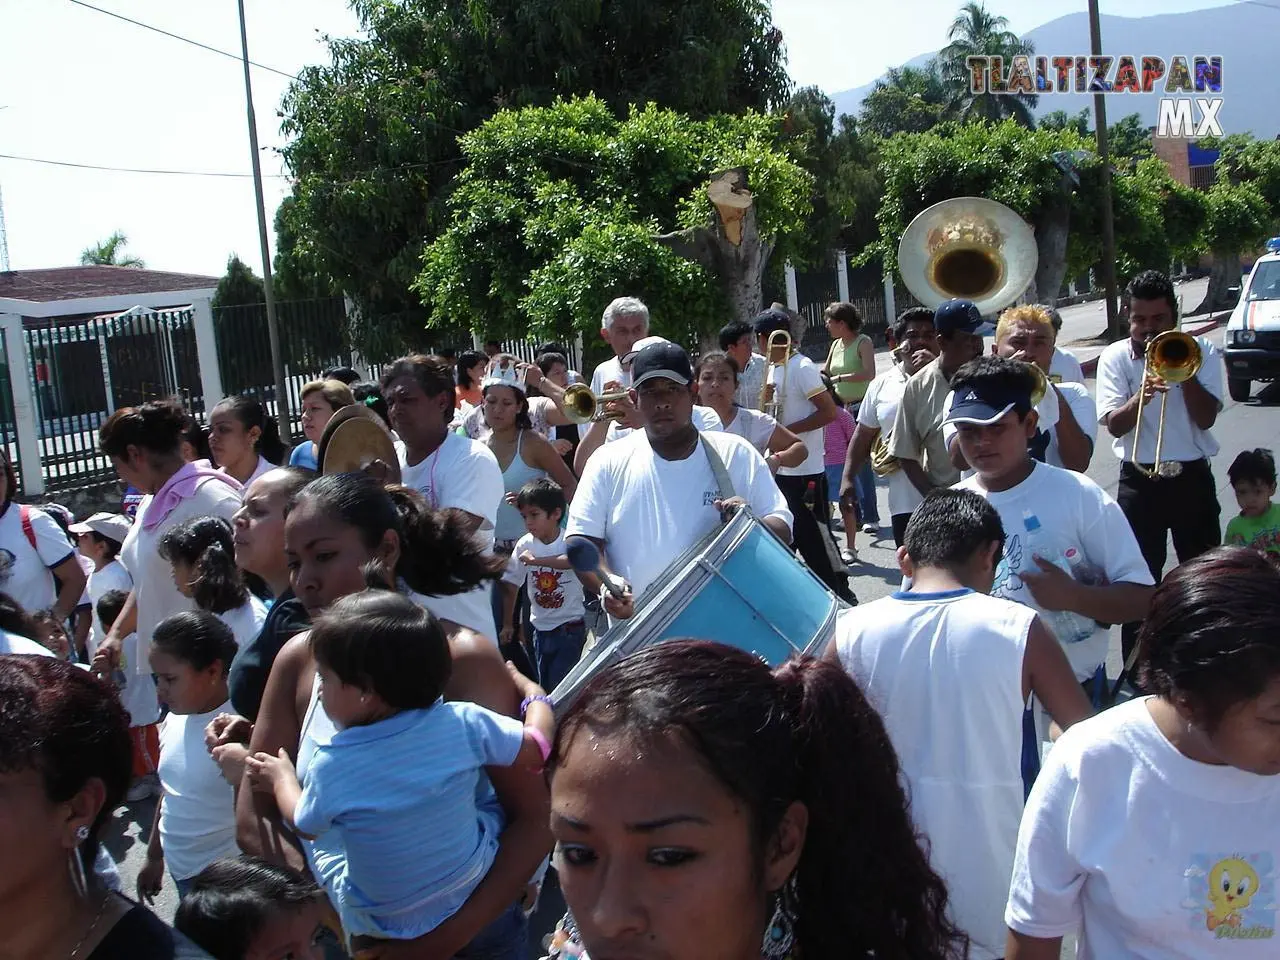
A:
{"points": [[110, 253], [977, 32]]}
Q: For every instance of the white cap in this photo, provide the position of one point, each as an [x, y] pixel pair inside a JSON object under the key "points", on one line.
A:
{"points": [[110, 525]]}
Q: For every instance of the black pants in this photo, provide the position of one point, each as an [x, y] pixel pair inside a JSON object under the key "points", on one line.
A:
{"points": [[1185, 505], [899, 521], [811, 533]]}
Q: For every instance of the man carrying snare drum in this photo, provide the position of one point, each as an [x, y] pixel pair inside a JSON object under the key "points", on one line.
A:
{"points": [[645, 499]]}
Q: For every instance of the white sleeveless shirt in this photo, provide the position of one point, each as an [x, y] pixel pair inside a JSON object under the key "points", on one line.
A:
{"points": [[944, 670]]}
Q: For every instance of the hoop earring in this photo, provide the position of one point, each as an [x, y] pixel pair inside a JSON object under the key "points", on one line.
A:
{"points": [[78, 879], [780, 935]]}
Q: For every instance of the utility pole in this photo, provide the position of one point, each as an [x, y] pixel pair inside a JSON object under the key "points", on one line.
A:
{"points": [[273, 331], [1104, 155]]}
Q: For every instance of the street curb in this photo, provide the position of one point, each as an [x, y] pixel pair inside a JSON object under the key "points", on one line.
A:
{"points": [[1090, 366]]}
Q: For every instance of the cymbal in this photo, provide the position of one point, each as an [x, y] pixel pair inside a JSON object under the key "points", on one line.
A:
{"points": [[354, 439]]}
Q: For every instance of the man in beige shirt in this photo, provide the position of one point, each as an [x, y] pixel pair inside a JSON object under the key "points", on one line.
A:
{"points": [[917, 439]]}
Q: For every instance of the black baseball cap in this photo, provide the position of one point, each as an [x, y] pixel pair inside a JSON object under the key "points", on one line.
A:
{"points": [[663, 359], [768, 321], [962, 315]]}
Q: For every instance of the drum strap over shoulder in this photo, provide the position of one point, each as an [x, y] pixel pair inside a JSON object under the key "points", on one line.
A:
{"points": [[723, 483]]}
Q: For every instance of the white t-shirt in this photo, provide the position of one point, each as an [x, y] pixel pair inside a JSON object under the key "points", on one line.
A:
{"points": [[1138, 847], [11, 643], [138, 693], [752, 426], [649, 510], [878, 408], [245, 620], [1065, 365], [155, 595], [463, 474], [944, 670], [555, 596], [113, 576], [804, 382], [1119, 377], [704, 418], [197, 813], [610, 370], [1073, 511], [1086, 414], [24, 569]]}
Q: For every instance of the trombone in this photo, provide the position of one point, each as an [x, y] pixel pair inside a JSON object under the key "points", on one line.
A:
{"points": [[580, 405], [777, 352], [1174, 357]]}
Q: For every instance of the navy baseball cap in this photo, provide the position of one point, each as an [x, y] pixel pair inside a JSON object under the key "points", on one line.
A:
{"points": [[663, 359], [768, 321], [961, 315], [983, 403]]}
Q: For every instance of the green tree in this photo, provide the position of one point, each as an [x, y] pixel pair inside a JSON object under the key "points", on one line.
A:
{"points": [[373, 135], [905, 100], [110, 253], [562, 208], [1243, 210], [978, 32], [239, 285], [1081, 122]]}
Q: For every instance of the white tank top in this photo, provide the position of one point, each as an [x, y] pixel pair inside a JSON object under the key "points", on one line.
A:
{"points": [[945, 672]]}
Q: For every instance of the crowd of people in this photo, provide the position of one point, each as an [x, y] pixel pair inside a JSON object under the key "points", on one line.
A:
{"points": [[337, 686]]}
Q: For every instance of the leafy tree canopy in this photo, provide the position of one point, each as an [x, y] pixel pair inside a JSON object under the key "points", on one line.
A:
{"points": [[239, 286], [906, 100], [558, 208], [373, 135]]}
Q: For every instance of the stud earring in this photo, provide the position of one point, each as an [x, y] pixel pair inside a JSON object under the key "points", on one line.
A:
{"points": [[82, 833]]}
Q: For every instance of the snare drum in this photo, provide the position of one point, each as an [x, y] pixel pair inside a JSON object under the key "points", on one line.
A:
{"points": [[740, 586]]}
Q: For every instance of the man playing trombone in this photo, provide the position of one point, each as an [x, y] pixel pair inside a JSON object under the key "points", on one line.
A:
{"points": [[1166, 483]]}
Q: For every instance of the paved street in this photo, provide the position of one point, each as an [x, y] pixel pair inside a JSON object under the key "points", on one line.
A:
{"points": [[1240, 426]]}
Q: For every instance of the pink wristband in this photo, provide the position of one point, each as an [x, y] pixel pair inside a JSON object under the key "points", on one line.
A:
{"points": [[544, 747]]}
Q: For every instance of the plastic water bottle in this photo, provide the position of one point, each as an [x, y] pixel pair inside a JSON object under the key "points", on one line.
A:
{"points": [[1083, 571], [1067, 626]]}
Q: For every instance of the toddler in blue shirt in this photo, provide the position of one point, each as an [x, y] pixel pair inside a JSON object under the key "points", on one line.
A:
{"points": [[398, 781]]}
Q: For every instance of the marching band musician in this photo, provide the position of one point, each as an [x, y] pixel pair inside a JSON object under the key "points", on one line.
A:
{"points": [[738, 340], [1186, 504], [806, 407], [915, 344], [1067, 418], [917, 439], [648, 497], [1064, 366]]}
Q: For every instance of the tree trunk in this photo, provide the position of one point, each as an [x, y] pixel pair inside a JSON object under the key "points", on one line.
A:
{"points": [[1224, 273], [729, 246], [1052, 230]]}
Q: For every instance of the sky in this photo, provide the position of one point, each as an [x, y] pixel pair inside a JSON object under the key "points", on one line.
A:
{"points": [[81, 87]]}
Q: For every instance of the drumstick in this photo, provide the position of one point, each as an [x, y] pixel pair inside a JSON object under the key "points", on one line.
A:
{"points": [[584, 557]]}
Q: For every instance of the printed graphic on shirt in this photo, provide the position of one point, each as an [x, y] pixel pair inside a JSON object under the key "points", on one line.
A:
{"points": [[709, 497], [1267, 541], [547, 592], [7, 560], [1231, 895], [1008, 585]]}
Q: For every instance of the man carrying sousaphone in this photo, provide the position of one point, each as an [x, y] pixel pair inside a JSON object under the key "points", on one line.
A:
{"points": [[915, 344], [645, 499]]}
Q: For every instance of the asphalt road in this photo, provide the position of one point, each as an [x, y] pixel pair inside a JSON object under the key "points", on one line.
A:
{"points": [[1240, 426]]}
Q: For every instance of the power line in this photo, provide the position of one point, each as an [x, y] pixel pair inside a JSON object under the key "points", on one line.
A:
{"points": [[155, 172], [194, 43]]}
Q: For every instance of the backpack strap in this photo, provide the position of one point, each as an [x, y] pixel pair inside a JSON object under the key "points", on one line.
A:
{"points": [[723, 483], [24, 512]]}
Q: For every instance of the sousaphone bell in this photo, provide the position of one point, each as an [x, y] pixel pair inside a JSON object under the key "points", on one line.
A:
{"points": [[356, 440]]}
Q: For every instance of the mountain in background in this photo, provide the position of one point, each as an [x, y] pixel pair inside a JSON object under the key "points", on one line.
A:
{"points": [[1243, 34]]}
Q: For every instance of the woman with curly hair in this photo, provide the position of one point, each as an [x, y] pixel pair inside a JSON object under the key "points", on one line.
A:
{"points": [[705, 804]]}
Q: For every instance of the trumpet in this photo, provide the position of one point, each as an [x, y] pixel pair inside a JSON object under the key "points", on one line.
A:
{"points": [[580, 405], [773, 394], [1174, 357]]}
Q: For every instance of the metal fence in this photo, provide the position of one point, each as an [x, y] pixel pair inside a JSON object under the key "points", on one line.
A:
{"points": [[8, 422], [84, 369]]}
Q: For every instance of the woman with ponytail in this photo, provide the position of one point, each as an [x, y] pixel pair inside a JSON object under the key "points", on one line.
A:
{"points": [[337, 529], [244, 441], [705, 804], [203, 556]]}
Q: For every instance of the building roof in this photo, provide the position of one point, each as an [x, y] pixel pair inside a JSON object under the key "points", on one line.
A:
{"points": [[79, 283]]}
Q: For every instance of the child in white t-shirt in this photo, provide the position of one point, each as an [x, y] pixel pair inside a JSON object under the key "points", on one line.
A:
{"points": [[99, 540], [203, 556], [1153, 830], [539, 562]]}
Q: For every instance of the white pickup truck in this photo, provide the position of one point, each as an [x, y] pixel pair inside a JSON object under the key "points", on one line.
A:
{"points": [[1253, 333]]}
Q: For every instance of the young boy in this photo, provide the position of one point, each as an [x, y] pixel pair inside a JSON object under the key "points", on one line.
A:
{"points": [[555, 595], [99, 540], [1055, 520], [138, 695], [1253, 478], [949, 668]]}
